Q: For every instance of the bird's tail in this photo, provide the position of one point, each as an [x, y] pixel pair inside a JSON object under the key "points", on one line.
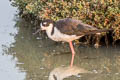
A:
{"points": [[98, 31]]}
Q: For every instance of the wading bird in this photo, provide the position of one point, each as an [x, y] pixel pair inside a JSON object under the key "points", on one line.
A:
{"points": [[67, 30]]}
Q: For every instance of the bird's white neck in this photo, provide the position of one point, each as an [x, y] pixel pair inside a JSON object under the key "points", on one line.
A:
{"points": [[49, 30]]}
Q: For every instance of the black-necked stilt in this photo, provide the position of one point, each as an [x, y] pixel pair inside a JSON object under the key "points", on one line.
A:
{"points": [[68, 30]]}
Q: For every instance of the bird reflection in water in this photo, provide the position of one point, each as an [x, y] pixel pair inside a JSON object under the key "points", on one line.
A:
{"points": [[64, 72]]}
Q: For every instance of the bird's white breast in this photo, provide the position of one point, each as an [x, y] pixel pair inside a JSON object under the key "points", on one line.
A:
{"points": [[58, 36]]}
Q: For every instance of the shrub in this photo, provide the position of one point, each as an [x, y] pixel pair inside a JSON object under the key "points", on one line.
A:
{"points": [[99, 13]]}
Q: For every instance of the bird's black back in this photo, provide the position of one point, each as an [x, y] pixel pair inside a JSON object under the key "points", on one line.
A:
{"points": [[74, 27]]}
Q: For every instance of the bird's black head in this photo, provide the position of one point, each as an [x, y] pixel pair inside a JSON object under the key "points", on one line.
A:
{"points": [[46, 24]]}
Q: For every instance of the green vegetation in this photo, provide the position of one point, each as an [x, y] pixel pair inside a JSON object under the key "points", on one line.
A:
{"points": [[99, 13]]}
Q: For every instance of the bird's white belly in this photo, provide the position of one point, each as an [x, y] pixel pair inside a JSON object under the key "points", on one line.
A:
{"points": [[58, 36], [64, 37]]}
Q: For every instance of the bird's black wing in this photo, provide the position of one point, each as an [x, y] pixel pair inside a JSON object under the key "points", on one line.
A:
{"points": [[74, 27]]}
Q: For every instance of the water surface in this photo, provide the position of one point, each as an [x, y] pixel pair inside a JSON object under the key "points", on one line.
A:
{"points": [[41, 55], [8, 68]]}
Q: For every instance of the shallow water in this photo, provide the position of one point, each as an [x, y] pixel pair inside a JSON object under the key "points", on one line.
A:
{"points": [[24, 56], [8, 68]]}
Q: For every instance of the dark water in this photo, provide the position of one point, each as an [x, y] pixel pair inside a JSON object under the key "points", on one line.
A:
{"points": [[24, 56]]}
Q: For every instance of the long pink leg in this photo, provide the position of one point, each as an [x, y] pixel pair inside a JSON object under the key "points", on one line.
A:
{"points": [[73, 53]]}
